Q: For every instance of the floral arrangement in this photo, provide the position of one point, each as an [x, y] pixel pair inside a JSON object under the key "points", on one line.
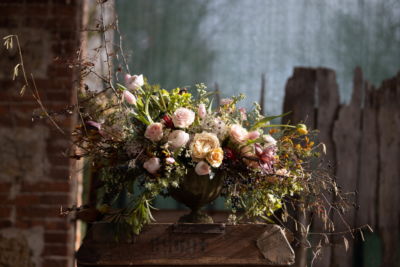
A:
{"points": [[154, 137]]}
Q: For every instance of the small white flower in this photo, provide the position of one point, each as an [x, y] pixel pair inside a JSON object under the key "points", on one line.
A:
{"points": [[170, 160]]}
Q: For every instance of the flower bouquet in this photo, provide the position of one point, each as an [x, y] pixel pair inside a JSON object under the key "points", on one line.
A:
{"points": [[183, 144]]}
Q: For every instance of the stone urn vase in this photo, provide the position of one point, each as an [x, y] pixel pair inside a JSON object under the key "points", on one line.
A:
{"points": [[195, 191]]}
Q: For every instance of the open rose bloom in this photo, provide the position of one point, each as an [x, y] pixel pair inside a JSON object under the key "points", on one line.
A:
{"points": [[168, 134]]}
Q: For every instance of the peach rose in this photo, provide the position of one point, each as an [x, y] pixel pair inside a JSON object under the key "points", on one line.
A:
{"points": [[202, 168], [178, 139], [183, 117], [152, 165], [154, 132], [238, 133], [215, 157], [202, 144]]}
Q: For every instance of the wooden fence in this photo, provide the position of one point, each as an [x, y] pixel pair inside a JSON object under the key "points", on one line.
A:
{"points": [[363, 144]]}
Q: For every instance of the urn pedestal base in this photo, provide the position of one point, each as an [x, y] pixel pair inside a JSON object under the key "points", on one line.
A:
{"points": [[187, 245]]}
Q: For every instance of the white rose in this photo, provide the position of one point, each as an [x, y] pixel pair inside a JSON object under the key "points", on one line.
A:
{"points": [[183, 117], [152, 165], [134, 81], [202, 168], [269, 140], [178, 138]]}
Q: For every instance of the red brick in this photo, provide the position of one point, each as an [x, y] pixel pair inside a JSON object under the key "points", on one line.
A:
{"points": [[60, 174], [38, 212], [55, 250], [46, 187], [55, 263], [62, 238], [26, 200], [5, 223], [52, 225], [5, 211], [5, 199], [5, 187]]}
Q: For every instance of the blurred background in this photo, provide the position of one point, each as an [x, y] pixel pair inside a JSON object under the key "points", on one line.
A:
{"points": [[297, 55], [232, 42]]}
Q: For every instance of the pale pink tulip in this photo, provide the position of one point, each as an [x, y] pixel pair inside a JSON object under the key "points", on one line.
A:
{"points": [[129, 97], [202, 111]]}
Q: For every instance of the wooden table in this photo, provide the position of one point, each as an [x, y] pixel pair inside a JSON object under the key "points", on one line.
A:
{"points": [[166, 244]]}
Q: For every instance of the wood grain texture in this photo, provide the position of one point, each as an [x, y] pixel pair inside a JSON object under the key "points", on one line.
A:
{"points": [[346, 136], [389, 168], [159, 245], [369, 156], [301, 101], [328, 104]]}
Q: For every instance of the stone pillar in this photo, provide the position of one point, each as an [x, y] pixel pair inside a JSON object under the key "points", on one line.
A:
{"points": [[36, 179]]}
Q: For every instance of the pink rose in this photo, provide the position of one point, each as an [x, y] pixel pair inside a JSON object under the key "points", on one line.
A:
{"points": [[226, 101], [183, 117], [129, 97], [154, 132], [238, 133], [253, 135], [202, 111], [133, 81], [152, 165], [178, 138], [170, 160], [202, 168]]}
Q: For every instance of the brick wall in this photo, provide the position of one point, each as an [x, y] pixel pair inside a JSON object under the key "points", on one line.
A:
{"points": [[36, 179]]}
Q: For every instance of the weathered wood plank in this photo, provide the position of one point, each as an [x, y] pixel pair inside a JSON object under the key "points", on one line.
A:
{"points": [[300, 96], [346, 136], [389, 168], [248, 244], [300, 99], [368, 180], [328, 104]]}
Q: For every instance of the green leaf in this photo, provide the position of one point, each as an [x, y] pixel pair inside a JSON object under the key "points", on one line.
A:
{"points": [[209, 111], [261, 123], [278, 125], [121, 87]]}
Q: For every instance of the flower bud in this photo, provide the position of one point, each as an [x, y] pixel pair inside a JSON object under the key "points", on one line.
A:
{"points": [[129, 97]]}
